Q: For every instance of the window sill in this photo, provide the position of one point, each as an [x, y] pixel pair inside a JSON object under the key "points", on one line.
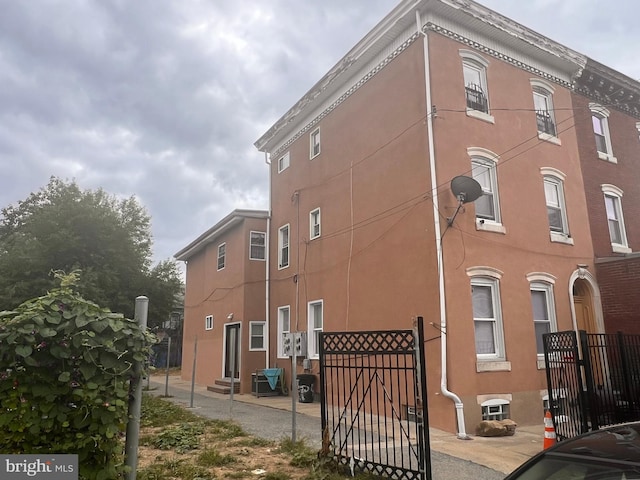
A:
{"points": [[485, 117], [561, 238], [493, 366], [620, 248], [549, 138], [606, 157], [489, 226]]}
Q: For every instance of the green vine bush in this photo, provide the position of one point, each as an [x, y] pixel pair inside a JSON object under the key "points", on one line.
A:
{"points": [[65, 371]]}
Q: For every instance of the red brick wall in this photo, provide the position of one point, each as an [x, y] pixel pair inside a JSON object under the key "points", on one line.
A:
{"points": [[619, 282], [624, 174]]}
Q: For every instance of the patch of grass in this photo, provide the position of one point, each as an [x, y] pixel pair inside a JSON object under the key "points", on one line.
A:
{"points": [[212, 458], [155, 411], [181, 438], [254, 442], [225, 429], [301, 454], [173, 469], [277, 476]]}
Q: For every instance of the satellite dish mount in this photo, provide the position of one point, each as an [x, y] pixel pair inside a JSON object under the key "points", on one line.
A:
{"points": [[466, 190]]}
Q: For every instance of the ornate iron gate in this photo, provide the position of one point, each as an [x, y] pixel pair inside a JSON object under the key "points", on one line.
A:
{"points": [[372, 387], [593, 380]]}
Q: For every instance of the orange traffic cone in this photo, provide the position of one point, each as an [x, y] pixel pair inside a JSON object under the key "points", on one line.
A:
{"points": [[549, 431]]}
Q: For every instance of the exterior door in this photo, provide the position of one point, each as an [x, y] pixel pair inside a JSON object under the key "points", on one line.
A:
{"points": [[582, 301], [232, 350]]}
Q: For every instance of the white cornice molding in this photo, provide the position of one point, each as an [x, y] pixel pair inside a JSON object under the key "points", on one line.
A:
{"points": [[399, 28]]}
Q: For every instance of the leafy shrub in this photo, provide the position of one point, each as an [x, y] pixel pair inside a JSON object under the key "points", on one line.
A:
{"points": [[65, 369]]}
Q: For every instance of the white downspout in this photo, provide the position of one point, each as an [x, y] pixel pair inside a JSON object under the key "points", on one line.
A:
{"points": [[436, 221], [267, 269]]}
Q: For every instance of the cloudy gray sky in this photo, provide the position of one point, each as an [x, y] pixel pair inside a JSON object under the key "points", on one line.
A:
{"points": [[163, 99]]}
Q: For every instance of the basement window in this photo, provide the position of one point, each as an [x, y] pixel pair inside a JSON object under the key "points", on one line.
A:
{"points": [[495, 409]]}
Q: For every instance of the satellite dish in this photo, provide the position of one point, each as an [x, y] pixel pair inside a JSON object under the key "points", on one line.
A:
{"points": [[466, 189]]}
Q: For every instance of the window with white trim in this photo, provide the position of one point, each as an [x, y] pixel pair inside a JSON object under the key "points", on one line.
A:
{"points": [[474, 73], [543, 307], [283, 246], [284, 327], [487, 206], [314, 224], [600, 122], [315, 323], [283, 162], [257, 243], [615, 218], [256, 336], [543, 106], [208, 322], [556, 207], [314, 143], [487, 318], [495, 409], [222, 253]]}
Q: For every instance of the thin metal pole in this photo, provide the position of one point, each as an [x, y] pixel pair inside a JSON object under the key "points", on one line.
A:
{"points": [[232, 347], [193, 371], [294, 385], [135, 401], [166, 375]]}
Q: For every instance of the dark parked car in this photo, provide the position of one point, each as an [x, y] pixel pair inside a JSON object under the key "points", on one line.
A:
{"points": [[612, 453]]}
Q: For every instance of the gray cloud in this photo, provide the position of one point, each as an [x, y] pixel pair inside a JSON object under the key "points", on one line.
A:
{"points": [[163, 100]]}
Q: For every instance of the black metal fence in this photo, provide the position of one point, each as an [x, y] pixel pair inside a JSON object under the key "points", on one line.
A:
{"points": [[593, 380], [372, 386]]}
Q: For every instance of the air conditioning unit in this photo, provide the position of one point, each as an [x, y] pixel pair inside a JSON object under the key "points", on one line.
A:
{"points": [[300, 344]]}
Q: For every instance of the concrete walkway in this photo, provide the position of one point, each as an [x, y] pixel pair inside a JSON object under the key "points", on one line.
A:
{"points": [[502, 454]]}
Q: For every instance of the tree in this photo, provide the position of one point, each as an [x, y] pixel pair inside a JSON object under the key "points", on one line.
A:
{"points": [[61, 227]]}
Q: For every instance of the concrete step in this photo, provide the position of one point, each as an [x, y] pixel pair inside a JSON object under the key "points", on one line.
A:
{"points": [[223, 386]]}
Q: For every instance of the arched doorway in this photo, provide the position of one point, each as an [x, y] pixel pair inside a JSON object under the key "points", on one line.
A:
{"points": [[583, 304]]}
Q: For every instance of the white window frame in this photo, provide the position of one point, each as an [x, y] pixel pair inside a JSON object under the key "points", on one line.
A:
{"points": [[314, 224], [261, 336], [314, 330], [543, 282], [314, 143], [602, 114], [482, 158], [489, 278], [543, 91], [284, 247], [554, 178], [222, 256], [495, 409], [473, 62], [263, 247], [615, 194], [282, 331], [208, 322], [283, 162]]}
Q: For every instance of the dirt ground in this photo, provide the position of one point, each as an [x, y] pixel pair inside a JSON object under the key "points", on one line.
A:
{"points": [[247, 458]]}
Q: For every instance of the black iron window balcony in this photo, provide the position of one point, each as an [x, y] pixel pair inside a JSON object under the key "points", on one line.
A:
{"points": [[545, 122], [476, 99]]}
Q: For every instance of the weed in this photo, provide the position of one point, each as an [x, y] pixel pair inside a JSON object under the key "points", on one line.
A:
{"points": [[277, 476], [212, 458], [225, 429], [155, 411], [181, 438], [301, 454], [174, 469]]}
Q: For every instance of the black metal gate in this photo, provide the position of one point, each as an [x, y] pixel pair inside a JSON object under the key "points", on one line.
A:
{"points": [[372, 388], [593, 380]]}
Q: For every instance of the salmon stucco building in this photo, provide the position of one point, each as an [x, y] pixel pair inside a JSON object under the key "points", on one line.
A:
{"points": [[367, 227]]}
